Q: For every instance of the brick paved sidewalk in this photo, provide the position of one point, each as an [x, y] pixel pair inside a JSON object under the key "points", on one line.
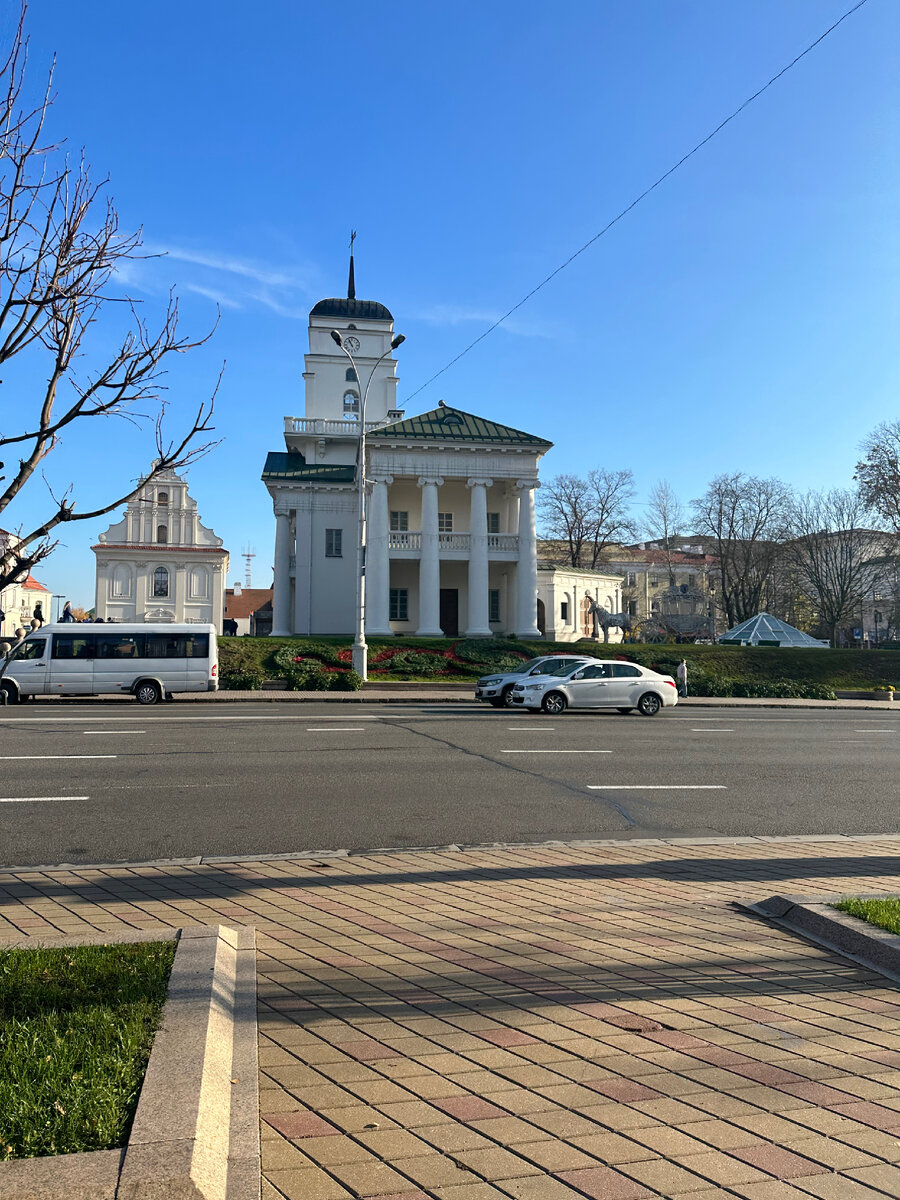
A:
{"points": [[586, 1020]]}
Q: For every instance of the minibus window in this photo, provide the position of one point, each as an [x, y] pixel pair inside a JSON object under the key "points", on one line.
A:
{"points": [[69, 646], [197, 645], [120, 645], [31, 650]]}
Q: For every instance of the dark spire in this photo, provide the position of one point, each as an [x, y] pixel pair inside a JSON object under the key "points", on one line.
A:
{"points": [[351, 282]]}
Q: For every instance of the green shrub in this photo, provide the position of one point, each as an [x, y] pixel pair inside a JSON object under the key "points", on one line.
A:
{"points": [[409, 662], [344, 681], [246, 678], [496, 654]]}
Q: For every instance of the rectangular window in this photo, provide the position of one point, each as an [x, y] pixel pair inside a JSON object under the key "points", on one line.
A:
{"points": [[654, 581], [564, 612], [399, 604], [692, 580], [494, 605], [493, 522], [445, 522], [68, 646], [632, 608], [166, 645], [399, 522], [333, 538], [120, 645], [631, 579]]}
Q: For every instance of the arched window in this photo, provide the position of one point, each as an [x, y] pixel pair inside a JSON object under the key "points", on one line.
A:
{"points": [[162, 498], [160, 582], [162, 534], [351, 405], [350, 375]]}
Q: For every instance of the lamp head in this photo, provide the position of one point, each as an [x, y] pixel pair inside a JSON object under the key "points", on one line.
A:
{"points": [[336, 337], [397, 340]]}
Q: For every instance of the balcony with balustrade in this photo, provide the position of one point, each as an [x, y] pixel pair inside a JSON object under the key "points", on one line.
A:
{"points": [[322, 427], [502, 547]]}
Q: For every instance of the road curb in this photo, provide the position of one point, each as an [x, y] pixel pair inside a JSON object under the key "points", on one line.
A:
{"points": [[850, 936], [196, 1130]]}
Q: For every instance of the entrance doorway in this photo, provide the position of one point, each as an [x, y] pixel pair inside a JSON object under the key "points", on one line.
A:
{"points": [[449, 617]]}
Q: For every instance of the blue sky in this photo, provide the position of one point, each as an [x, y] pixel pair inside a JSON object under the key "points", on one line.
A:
{"points": [[743, 317]]}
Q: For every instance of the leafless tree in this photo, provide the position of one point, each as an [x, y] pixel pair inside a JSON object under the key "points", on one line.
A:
{"points": [[878, 473], [60, 247], [611, 493], [587, 514], [564, 506], [837, 556], [747, 518], [665, 520]]}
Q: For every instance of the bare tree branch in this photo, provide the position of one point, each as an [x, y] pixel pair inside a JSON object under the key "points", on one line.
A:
{"points": [[60, 247]]}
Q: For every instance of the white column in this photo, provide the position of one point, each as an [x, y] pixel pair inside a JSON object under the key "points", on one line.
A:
{"points": [[429, 563], [378, 563], [479, 613], [281, 598], [526, 575], [303, 566]]}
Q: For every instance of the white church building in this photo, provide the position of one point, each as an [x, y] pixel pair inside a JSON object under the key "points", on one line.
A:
{"points": [[159, 563], [451, 542]]}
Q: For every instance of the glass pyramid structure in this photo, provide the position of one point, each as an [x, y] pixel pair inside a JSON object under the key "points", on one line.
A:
{"points": [[766, 630]]}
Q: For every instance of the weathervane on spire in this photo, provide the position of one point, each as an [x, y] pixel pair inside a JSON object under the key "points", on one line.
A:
{"points": [[351, 282]]}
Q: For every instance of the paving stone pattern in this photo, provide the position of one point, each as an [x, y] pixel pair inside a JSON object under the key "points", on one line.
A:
{"points": [[584, 1020]]}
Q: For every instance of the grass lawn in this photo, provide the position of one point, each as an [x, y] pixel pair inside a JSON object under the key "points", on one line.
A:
{"points": [[76, 1027], [883, 913]]}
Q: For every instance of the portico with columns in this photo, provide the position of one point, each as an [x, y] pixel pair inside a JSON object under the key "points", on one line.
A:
{"points": [[451, 546]]}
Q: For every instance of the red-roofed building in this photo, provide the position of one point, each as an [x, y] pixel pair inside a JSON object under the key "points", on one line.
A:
{"points": [[17, 601], [250, 609]]}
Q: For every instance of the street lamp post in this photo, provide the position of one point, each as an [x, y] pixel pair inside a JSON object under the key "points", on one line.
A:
{"points": [[360, 649]]}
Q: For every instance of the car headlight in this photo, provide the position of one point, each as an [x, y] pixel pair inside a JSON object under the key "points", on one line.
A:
{"points": [[531, 687], [489, 681]]}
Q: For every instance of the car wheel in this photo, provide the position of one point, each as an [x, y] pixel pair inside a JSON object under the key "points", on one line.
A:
{"points": [[506, 697], [10, 693], [553, 704], [625, 711], [649, 704], [148, 693]]}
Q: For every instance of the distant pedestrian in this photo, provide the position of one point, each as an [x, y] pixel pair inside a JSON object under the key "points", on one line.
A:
{"points": [[67, 614], [681, 676], [38, 614]]}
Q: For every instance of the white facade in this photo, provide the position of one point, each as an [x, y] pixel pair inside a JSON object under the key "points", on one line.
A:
{"points": [[159, 563], [451, 546], [564, 595], [18, 600]]}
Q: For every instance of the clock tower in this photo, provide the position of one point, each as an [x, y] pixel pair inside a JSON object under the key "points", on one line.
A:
{"points": [[333, 393]]}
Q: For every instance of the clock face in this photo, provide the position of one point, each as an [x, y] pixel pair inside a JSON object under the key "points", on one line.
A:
{"points": [[352, 344]]}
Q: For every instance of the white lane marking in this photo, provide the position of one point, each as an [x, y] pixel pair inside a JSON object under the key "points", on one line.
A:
{"points": [[712, 731], [870, 730], [113, 732], [531, 728], [38, 799], [657, 787], [556, 751], [337, 729], [48, 757], [95, 720]]}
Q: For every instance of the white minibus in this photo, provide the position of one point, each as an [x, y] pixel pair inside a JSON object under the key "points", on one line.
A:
{"points": [[149, 662]]}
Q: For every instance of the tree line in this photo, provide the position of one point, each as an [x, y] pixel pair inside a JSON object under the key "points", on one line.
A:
{"points": [[811, 558]]}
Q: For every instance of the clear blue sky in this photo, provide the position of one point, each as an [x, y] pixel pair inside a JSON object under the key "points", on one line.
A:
{"points": [[743, 317]]}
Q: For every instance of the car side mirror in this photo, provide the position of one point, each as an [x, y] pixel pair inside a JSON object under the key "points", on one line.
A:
{"points": [[534, 671], [578, 675]]}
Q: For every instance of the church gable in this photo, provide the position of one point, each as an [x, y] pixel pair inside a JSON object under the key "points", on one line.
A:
{"points": [[445, 424]]}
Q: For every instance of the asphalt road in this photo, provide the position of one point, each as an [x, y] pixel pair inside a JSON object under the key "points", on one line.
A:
{"points": [[113, 782]]}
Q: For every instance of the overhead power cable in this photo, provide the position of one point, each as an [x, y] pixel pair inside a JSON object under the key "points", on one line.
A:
{"points": [[634, 203]]}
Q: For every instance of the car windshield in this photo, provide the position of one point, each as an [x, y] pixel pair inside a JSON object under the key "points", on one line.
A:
{"points": [[525, 667]]}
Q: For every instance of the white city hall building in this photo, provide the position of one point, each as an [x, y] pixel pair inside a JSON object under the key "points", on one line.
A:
{"points": [[159, 563], [451, 546]]}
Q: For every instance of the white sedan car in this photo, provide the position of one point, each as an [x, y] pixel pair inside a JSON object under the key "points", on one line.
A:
{"points": [[620, 685]]}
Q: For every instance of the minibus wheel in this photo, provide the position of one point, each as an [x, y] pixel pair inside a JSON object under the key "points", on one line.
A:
{"points": [[148, 692]]}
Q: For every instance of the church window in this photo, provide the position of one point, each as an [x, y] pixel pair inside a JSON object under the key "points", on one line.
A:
{"points": [[160, 582], [351, 405], [162, 498], [399, 604], [162, 534], [350, 375], [333, 540], [493, 520], [445, 522], [399, 522], [494, 606]]}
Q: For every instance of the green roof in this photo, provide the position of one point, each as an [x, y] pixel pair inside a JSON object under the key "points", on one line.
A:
{"points": [[447, 424], [283, 465]]}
